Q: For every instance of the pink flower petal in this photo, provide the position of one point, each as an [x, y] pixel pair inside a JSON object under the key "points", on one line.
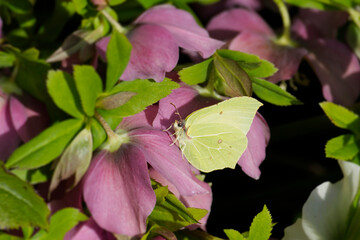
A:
{"points": [[154, 53], [118, 192], [337, 68], [29, 116], [286, 59], [186, 100], [183, 27], [143, 119], [166, 158], [9, 139], [312, 23], [238, 20], [88, 230], [101, 46], [258, 138]]}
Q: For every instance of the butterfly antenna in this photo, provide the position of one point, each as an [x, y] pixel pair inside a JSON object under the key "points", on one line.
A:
{"points": [[176, 111]]}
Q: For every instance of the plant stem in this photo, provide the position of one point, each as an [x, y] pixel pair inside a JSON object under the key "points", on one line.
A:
{"points": [[113, 22], [109, 132], [285, 38]]}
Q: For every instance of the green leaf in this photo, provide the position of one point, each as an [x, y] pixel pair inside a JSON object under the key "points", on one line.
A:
{"points": [[75, 160], [187, 234], [195, 74], [19, 204], [156, 230], [148, 93], [272, 93], [5, 236], [353, 38], [234, 81], [321, 5], [261, 226], [46, 146], [170, 213], [80, 6], [60, 223], [31, 76], [114, 101], [117, 55], [115, 2], [62, 89], [252, 64], [98, 133], [34, 176], [341, 116], [54, 24], [233, 234], [6, 60], [149, 3], [343, 147], [89, 86], [18, 6]]}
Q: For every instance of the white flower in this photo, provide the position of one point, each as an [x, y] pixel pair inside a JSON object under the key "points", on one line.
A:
{"points": [[329, 212]]}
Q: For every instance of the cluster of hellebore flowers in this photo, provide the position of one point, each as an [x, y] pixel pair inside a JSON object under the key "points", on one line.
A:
{"points": [[116, 188]]}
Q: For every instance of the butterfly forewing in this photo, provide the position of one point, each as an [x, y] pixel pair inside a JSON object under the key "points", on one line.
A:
{"points": [[214, 146], [238, 112]]}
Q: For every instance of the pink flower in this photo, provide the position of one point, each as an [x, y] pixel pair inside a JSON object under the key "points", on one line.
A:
{"points": [[21, 118], [187, 100], [249, 33], [117, 188], [338, 70], [158, 34]]}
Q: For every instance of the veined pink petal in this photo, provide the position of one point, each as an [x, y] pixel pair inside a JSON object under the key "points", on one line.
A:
{"points": [[186, 100], [9, 139], [312, 23], [166, 158], [88, 230], [238, 20], [183, 27], [286, 59], [338, 70], [258, 138], [28, 115], [143, 119], [154, 53], [118, 192]]}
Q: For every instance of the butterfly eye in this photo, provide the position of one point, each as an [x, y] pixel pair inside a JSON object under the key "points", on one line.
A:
{"points": [[180, 124]]}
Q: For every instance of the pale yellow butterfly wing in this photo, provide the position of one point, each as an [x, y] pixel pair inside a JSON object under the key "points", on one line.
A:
{"points": [[215, 137]]}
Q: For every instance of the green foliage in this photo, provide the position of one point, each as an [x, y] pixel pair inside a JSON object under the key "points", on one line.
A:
{"points": [[34, 176], [142, 99], [149, 3], [341, 117], [62, 89], [272, 93], [353, 38], [75, 160], [17, 6], [346, 146], [20, 205], [6, 60], [89, 87], [60, 223], [233, 81], [343, 147], [260, 228], [117, 55], [170, 213], [197, 73], [46, 146]]}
